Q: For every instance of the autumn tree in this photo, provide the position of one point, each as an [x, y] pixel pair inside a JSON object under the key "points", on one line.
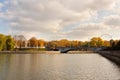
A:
{"points": [[52, 44], [80, 43], [107, 43], [41, 43], [75, 43], [19, 41], [96, 42], [64, 43], [33, 42]]}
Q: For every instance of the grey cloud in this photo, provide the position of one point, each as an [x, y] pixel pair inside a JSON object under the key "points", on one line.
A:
{"points": [[113, 20], [81, 5], [84, 31]]}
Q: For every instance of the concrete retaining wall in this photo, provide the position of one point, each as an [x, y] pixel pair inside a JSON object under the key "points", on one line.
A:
{"points": [[80, 52], [112, 55]]}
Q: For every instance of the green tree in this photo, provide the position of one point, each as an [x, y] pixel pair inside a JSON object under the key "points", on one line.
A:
{"points": [[2, 41], [9, 43]]}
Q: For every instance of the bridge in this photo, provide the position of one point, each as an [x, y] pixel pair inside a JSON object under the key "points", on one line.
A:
{"points": [[67, 49]]}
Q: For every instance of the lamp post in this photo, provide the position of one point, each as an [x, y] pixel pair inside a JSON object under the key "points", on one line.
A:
{"points": [[88, 43]]}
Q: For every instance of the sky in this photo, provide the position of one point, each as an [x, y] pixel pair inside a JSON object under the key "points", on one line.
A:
{"points": [[61, 19]]}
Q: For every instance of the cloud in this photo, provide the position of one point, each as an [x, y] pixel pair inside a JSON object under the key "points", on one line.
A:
{"points": [[113, 21], [41, 17], [81, 5], [85, 31], [50, 18], [1, 5]]}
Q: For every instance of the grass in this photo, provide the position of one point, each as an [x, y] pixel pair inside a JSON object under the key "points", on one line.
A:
{"points": [[31, 49]]}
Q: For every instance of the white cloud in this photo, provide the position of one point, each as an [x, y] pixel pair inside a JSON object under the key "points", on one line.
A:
{"points": [[85, 31], [50, 17], [1, 5], [81, 5]]}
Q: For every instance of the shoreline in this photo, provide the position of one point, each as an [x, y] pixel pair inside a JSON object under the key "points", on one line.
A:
{"points": [[29, 52], [111, 55], [44, 52]]}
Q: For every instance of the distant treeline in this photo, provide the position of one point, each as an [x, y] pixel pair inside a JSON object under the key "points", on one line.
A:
{"points": [[20, 42]]}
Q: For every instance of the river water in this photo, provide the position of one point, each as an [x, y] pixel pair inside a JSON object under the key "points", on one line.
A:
{"points": [[57, 67]]}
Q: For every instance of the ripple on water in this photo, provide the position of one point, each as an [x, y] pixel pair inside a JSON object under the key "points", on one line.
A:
{"points": [[57, 67]]}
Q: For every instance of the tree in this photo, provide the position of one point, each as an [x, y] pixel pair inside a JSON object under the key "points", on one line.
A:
{"points": [[75, 43], [2, 41], [20, 41], [111, 42], [115, 44], [9, 43], [52, 44], [64, 43], [85, 44], [41, 43], [33, 42], [107, 43], [6, 42], [96, 42], [118, 45]]}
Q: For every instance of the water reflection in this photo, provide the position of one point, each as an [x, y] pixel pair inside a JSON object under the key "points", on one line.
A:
{"points": [[57, 67]]}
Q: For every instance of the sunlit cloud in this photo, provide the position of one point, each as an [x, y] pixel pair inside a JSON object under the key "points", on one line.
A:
{"points": [[57, 19]]}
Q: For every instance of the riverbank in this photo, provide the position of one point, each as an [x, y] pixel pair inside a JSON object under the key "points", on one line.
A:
{"points": [[29, 52], [112, 55], [44, 52], [80, 52]]}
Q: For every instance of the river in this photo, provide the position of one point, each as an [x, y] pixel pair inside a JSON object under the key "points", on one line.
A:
{"points": [[57, 67]]}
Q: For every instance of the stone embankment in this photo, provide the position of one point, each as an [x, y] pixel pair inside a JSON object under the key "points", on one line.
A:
{"points": [[80, 52], [112, 55]]}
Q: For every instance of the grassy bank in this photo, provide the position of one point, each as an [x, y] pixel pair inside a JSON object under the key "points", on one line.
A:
{"points": [[44, 52], [29, 52], [30, 49], [80, 52]]}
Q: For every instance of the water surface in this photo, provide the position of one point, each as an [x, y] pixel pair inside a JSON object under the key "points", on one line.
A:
{"points": [[57, 67]]}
